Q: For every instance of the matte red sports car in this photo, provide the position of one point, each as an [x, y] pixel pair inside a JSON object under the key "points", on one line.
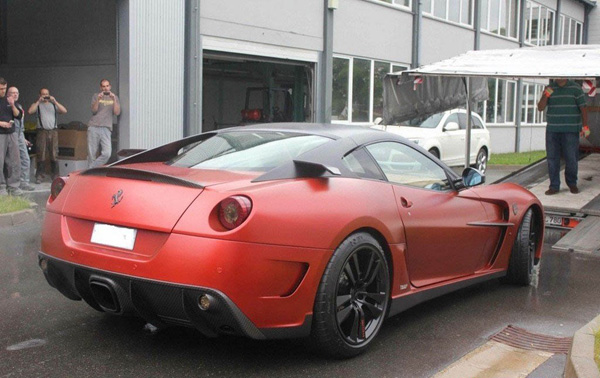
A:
{"points": [[283, 230]]}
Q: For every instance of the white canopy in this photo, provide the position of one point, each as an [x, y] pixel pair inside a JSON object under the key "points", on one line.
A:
{"points": [[562, 61]]}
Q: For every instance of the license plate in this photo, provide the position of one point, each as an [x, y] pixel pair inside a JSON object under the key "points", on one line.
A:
{"points": [[113, 236], [554, 220]]}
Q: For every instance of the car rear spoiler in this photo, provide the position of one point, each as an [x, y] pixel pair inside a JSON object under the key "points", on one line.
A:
{"points": [[141, 175]]}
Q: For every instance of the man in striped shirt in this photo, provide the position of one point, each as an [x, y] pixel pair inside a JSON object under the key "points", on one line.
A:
{"points": [[565, 116]]}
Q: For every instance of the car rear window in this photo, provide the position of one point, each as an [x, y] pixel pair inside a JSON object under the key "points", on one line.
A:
{"points": [[258, 151]]}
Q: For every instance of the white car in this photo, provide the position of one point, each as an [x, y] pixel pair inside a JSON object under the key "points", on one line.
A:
{"points": [[444, 134]]}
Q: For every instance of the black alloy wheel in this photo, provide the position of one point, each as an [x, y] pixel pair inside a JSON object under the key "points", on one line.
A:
{"points": [[353, 297], [522, 257]]}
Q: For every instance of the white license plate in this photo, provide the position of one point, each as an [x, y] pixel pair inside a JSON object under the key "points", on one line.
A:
{"points": [[554, 220], [120, 237]]}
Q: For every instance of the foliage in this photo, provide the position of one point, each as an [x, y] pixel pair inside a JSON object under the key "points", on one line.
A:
{"points": [[597, 350], [522, 158], [9, 204]]}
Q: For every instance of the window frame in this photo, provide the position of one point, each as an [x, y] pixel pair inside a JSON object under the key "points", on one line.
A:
{"points": [[350, 85]]}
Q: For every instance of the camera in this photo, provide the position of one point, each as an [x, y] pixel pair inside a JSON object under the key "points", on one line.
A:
{"points": [[106, 93], [46, 97]]}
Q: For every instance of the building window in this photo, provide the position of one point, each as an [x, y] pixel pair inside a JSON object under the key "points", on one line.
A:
{"points": [[571, 31], [340, 89], [539, 25], [404, 3], [501, 105], [449, 11], [500, 17], [531, 95], [357, 89]]}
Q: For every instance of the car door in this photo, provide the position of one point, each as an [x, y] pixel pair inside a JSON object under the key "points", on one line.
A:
{"points": [[442, 239], [453, 144]]}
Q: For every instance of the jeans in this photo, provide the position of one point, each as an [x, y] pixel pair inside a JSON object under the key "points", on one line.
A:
{"points": [[9, 161], [98, 138], [567, 146], [24, 155]]}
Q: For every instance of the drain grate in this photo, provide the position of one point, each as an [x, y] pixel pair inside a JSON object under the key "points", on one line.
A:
{"points": [[520, 338]]}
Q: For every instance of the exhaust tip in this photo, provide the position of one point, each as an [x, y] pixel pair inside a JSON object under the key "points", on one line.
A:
{"points": [[105, 296]]}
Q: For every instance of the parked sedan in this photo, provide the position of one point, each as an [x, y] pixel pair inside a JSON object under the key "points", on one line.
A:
{"points": [[444, 135], [281, 231]]}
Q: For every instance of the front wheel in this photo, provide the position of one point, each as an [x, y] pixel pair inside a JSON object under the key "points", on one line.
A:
{"points": [[352, 299], [522, 257]]}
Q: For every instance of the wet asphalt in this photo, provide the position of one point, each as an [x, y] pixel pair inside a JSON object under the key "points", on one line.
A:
{"points": [[43, 334]]}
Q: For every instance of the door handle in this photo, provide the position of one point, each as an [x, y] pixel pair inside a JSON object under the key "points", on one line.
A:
{"points": [[405, 203]]}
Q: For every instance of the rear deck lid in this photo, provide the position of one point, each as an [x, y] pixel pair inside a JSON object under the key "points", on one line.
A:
{"points": [[152, 198]]}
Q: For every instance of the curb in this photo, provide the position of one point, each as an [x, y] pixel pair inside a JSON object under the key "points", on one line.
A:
{"points": [[17, 218], [580, 361]]}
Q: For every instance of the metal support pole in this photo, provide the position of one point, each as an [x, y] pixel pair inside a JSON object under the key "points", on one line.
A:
{"points": [[558, 26], [477, 24], [324, 95], [192, 94], [468, 138], [416, 35]]}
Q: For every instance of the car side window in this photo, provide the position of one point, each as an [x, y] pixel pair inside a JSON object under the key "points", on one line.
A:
{"points": [[452, 118], [406, 166], [475, 122], [362, 164]]}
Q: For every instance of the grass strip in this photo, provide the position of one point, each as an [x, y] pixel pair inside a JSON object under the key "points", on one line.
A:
{"points": [[10, 204], [521, 158]]}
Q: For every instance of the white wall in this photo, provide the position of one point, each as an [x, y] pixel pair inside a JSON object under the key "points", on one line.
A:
{"points": [[442, 40], [296, 24], [502, 138], [372, 30]]}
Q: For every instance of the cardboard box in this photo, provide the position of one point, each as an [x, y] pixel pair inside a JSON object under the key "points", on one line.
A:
{"points": [[72, 144], [66, 166]]}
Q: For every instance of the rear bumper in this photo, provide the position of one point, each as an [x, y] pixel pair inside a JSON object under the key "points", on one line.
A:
{"points": [[159, 303], [259, 290]]}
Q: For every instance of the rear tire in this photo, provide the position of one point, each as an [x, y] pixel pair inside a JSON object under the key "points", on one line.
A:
{"points": [[522, 257], [435, 152], [353, 298], [482, 160]]}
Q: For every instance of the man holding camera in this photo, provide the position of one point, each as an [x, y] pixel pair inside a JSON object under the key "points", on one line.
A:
{"points": [[47, 109], [105, 105], [9, 144]]}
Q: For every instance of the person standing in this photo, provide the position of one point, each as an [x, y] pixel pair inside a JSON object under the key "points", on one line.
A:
{"points": [[105, 105], [23, 143], [46, 108], [565, 117], [9, 145]]}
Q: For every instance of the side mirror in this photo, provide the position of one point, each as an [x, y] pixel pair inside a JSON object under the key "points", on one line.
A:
{"points": [[378, 121], [451, 126], [472, 177]]}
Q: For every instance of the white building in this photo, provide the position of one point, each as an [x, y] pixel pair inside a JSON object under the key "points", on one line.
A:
{"points": [[185, 66]]}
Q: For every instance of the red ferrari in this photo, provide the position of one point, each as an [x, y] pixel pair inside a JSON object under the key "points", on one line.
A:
{"points": [[281, 231]]}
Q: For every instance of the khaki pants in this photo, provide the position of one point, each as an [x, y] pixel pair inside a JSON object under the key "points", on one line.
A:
{"points": [[46, 149]]}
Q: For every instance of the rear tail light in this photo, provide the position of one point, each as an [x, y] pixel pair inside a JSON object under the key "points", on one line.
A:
{"points": [[57, 186], [234, 210]]}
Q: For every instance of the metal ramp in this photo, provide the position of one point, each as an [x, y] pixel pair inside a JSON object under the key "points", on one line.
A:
{"points": [[585, 238]]}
